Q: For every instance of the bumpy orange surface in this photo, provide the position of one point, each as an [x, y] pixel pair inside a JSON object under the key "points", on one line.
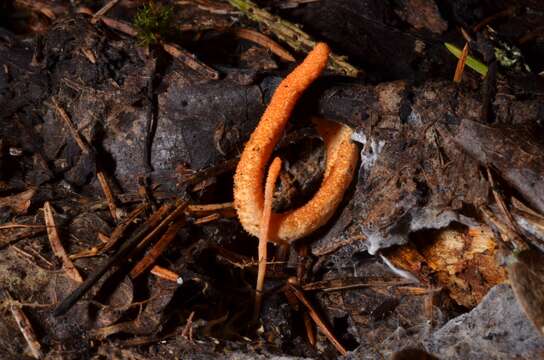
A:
{"points": [[341, 159]]}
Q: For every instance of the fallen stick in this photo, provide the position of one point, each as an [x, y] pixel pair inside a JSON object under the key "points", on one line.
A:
{"points": [[157, 249], [109, 5], [207, 219], [118, 259], [173, 216], [71, 127], [315, 317], [25, 234], [120, 229], [58, 249], [166, 274], [28, 332], [109, 195], [264, 41], [176, 51]]}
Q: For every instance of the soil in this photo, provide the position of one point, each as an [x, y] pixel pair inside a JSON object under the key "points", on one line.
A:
{"points": [[449, 183]]}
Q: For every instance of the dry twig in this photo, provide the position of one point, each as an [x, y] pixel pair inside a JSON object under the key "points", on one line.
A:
{"points": [[119, 258], [58, 250], [264, 41], [176, 51], [207, 219], [109, 5], [317, 319], [157, 249], [20, 202], [190, 60], [28, 233], [108, 193], [28, 332], [173, 216], [120, 229], [188, 329], [209, 207], [166, 274], [461, 65], [71, 127]]}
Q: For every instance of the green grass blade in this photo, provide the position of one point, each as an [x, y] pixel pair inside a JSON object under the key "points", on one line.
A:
{"points": [[472, 63]]}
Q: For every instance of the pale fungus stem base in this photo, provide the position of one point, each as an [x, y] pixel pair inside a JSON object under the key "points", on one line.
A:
{"points": [[273, 173]]}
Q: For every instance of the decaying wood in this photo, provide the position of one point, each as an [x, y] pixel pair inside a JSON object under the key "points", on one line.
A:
{"points": [[463, 261], [514, 151]]}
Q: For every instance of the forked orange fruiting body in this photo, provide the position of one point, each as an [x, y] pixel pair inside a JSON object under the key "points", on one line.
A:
{"points": [[341, 159]]}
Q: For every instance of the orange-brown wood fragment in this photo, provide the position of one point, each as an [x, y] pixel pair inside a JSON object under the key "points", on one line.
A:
{"points": [[461, 65], [341, 155], [165, 274]]}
